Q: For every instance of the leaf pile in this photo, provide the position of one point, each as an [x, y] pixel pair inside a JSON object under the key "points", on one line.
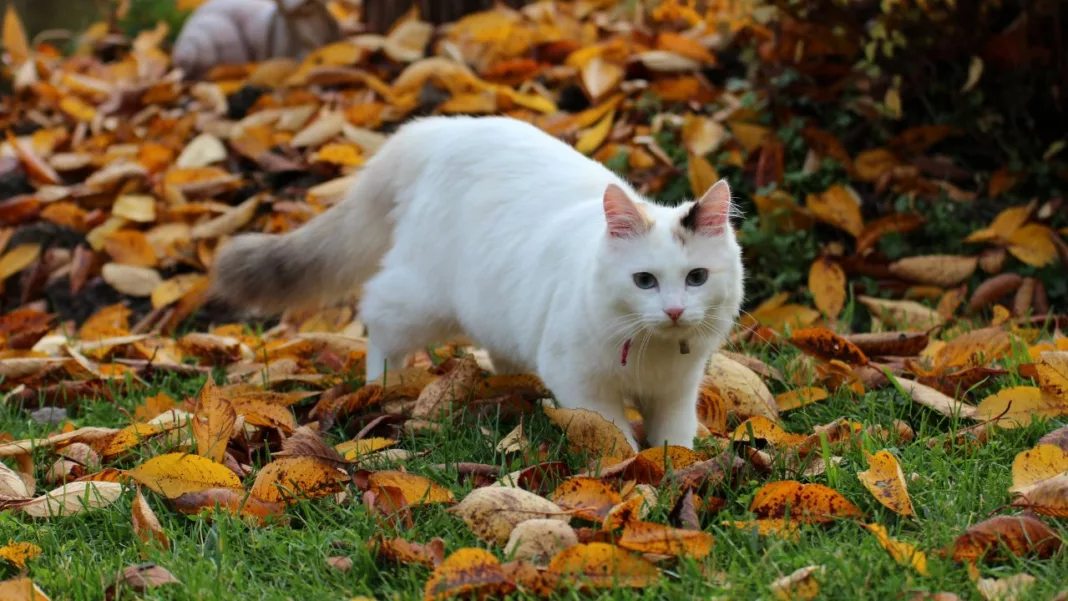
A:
{"points": [[126, 178]]}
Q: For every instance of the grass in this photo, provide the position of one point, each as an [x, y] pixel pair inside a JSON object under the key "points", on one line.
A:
{"points": [[224, 558]]}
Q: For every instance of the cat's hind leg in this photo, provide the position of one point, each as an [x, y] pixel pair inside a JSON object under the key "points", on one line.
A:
{"points": [[400, 317]]}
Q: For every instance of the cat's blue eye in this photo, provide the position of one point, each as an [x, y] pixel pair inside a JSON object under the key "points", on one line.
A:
{"points": [[697, 277], [644, 280]]}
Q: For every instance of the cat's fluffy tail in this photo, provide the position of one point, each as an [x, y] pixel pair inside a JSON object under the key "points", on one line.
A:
{"points": [[322, 261]]}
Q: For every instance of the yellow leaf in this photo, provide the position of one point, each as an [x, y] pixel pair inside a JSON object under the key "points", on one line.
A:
{"points": [[128, 438], [15, 42], [827, 283], [354, 449], [17, 259], [838, 207], [416, 490], [702, 174], [592, 138], [1035, 465], [1017, 405], [886, 483], [77, 109], [750, 136], [1033, 244], [903, 553], [19, 553], [176, 288], [175, 474]]}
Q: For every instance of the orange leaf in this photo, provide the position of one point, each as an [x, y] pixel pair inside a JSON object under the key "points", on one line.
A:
{"points": [[1020, 535], [645, 537], [288, 479], [828, 346], [15, 42], [130, 247], [813, 503], [701, 173], [600, 565], [589, 498], [1033, 244], [899, 222], [468, 573]]}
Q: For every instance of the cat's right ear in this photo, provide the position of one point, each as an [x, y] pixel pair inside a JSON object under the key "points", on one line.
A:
{"points": [[622, 215]]}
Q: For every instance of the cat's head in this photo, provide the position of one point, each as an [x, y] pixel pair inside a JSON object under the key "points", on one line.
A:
{"points": [[671, 271]]}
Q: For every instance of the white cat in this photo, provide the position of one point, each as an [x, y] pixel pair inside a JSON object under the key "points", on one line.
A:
{"points": [[492, 229]]}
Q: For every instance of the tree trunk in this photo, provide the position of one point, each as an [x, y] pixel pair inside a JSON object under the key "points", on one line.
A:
{"points": [[380, 14]]}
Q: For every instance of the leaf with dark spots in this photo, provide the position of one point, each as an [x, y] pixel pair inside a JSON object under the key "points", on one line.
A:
{"points": [[684, 514], [992, 540]]}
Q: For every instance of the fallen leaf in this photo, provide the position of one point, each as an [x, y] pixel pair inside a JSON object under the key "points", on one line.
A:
{"points": [[404, 552], [799, 397], [886, 483], [646, 537], [600, 565], [72, 498], [902, 314], [1033, 244], [933, 399], [1005, 589], [745, 393], [827, 345], [230, 500], [19, 553], [588, 431], [21, 589], [586, 498], [468, 572], [145, 523], [213, 422], [493, 512], [139, 578], [175, 474], [1040, 463], [288, 479], [827, 283], [936, 270], [1020, 535], [903, 553], [813, 503], [539, 540], [441, 395], [1015, 407], [800, 585], [1047, 497], [416, 490], [777, 527], [837, 206]]}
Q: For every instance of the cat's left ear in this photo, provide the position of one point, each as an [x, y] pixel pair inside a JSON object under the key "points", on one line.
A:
{"points": [[709, 216]]}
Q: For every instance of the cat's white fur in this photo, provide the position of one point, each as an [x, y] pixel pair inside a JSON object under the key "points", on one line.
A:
{"points": [[491, 228]]}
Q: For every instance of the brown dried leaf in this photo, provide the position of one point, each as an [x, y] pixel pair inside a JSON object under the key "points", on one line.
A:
{"points": [[145, 523], [1020, 535]]}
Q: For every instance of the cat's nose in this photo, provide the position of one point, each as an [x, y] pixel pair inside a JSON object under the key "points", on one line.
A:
{"points": [[674, 313]]}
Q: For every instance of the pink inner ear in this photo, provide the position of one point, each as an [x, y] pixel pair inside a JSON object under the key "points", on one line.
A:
{"points": [[711, 212], [623, 217]]}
